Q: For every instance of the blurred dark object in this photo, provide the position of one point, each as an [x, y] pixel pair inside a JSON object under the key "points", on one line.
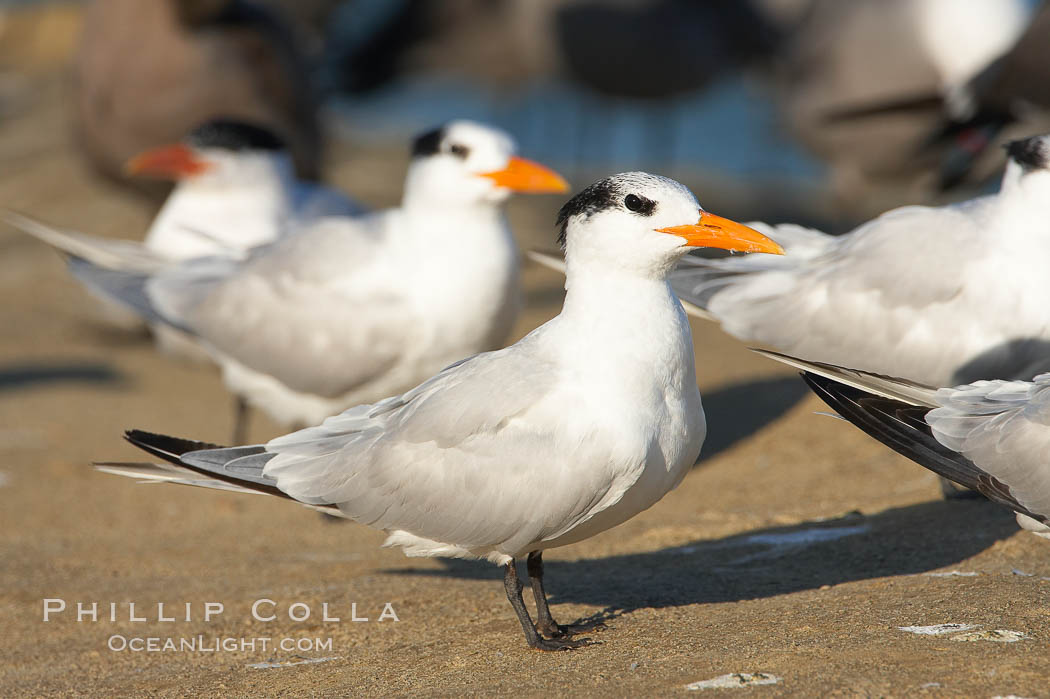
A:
{"points": [[639, 49], [659, 49], [148, 71], [1012, 89], [871, 86]]}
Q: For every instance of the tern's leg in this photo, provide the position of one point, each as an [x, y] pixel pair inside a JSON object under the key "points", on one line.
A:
{"points": [[514, 588], [240, 420], [544, 621]]}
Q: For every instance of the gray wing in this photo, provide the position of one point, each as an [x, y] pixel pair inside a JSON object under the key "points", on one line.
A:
{"points": [[698, 278], [882, 298], [1003, 427], [317, 310], [991, 436], [473, 457]]}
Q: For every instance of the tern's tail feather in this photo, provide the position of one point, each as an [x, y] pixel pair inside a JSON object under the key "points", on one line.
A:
{"points": [[103, 252], [901, 425], [115, 271], [201, 464], [909, 392]]}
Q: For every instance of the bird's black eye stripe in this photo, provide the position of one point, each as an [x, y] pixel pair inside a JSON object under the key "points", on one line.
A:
{"points": [[459, 150], [427, 144], [639, 205]]}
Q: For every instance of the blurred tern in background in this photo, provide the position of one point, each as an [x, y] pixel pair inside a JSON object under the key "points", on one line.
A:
{"points": [[991, 436], [146, 72], [348, 310], [584, 423], [235, 189]]}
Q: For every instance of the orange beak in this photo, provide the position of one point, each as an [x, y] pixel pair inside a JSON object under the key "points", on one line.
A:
{"points": [[716, 232], [167, 162], [525, 176]]}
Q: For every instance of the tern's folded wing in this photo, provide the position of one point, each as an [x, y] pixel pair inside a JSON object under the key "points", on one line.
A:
{"points": [[473, 457], [317, 311], [885, 297], [1003, 427]]}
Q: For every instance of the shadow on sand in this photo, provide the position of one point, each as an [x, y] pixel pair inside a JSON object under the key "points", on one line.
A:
{"points": [[769, 562], [19, 376], [738, 411]]}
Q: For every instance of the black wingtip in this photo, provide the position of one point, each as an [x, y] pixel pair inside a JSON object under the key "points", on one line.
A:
{"points": [[903, 428], [167, 448]]}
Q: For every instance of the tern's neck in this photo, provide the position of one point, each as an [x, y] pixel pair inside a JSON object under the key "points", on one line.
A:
{"points": [[271, 184], [620, 294], [201, 219], [452, 224], [626, 325]]}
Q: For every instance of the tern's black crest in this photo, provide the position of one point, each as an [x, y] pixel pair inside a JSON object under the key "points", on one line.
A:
{"points": [[234, 136], [429, 143], [432, 142], [612, 192], [1030, 153]]}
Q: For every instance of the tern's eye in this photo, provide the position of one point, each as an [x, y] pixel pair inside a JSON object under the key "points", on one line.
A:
{"points": [[458, 150], [639, 205]]}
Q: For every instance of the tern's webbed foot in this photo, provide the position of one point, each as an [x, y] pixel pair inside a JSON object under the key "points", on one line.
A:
{"points": [[559, 643], [554, 630]]}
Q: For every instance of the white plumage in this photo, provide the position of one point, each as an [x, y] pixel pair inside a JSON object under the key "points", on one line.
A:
{"points": [[259, 202], [582, 424], [344, 310], [937, 295]]}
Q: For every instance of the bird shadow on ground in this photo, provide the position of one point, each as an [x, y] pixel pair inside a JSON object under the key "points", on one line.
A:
{"points": [[769, 562], [738, 411], [20, 376]]}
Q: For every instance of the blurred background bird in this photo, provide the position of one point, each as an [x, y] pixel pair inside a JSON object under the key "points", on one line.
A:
{"points": [[826, 112], [146, 72], [337, 310]]}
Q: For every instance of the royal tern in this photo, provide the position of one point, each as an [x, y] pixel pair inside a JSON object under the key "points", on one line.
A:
{"points": [[350, 310], [936, 295], [941, 296], [990, 436], [235, 189], [145, 73], [584, 423]]}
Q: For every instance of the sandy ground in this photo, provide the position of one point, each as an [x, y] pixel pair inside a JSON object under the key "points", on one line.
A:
{"points": [[796, 548]]}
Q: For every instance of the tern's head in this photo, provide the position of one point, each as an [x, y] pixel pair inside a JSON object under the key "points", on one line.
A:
{"points": [[466, 163], [219, 153], [646, 223]]}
